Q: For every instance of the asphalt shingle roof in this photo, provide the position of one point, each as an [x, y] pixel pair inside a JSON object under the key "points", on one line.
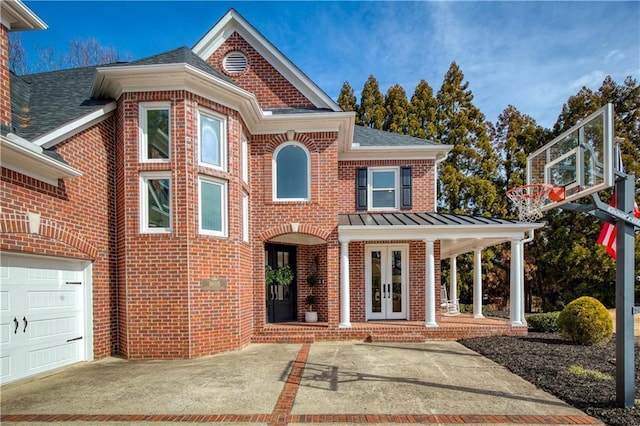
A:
{"points": [[181, 55], [366, 136], [42, 102]]}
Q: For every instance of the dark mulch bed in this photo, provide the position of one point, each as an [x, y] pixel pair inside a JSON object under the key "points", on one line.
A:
{"points": [[544, 359]]}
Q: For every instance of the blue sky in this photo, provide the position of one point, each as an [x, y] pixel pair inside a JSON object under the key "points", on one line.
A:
{"points": [[532, 55]]}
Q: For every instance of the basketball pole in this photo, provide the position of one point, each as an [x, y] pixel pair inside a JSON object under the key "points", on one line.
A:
{"points": [[625, 253], [626, 224]]}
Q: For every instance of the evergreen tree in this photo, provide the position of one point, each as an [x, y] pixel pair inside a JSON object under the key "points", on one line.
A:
{"points": [[422, 112], [468, 175], [347, 100], [396, 109], [371, 111], [515, 135]]}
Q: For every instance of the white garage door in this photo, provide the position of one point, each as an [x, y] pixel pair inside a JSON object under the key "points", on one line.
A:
{"points": [[43, 318]]}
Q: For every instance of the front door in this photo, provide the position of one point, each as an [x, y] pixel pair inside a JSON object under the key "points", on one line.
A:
{"points": [[386, 280], [281, 300]]}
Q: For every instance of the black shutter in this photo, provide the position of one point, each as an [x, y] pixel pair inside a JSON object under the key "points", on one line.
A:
{"points": [[361, 189], [405, 188]]}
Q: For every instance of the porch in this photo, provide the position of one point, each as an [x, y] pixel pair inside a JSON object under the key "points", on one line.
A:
{"points": [[449, 328]]}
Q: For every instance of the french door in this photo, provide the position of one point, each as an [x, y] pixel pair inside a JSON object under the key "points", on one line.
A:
{"points": [[386, 280]]}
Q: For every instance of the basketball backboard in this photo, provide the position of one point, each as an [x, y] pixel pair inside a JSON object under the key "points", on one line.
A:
{"points": [[577, 163]]}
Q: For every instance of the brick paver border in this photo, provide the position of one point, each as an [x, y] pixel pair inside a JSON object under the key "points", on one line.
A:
{"points": [[281, 414]]}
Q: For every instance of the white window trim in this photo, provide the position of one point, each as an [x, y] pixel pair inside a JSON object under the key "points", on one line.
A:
{"points": [[225, 216], [245, 217], [370, 172], [144, 202], [245, 159], [274, 173], [143, 107], [222, 141]]}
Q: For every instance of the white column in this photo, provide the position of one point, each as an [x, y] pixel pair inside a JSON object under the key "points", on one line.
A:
{"points": [[521, 269], [430, 286], [477, 284], [453, 280], [345, 309], [515, 297]]}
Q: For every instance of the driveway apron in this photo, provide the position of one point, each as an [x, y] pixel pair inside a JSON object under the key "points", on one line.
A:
{"points": [[277, 384]]}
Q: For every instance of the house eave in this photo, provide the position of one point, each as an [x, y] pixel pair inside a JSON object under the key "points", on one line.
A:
{"points": [[24, 157], [16, 16], [74, 127], [412, 152], [113, 81]]}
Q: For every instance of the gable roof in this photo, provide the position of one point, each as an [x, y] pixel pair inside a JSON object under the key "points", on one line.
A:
{"points": [[232, 22], [43, 102]]}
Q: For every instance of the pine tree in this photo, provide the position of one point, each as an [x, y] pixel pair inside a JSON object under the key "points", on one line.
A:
{"points": [[371, 110], [514, 136], [347, 100], [468, 175], [396, 109], [422, 112]]}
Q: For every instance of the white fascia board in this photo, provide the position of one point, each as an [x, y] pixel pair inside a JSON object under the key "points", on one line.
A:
{"points": [[432, 232], [451, 248], [113, 81], [233, 22], [416, 152], [16, 16], [74, 127], [17, 155]]}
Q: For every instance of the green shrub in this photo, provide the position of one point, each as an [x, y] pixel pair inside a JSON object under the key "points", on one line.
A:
{"points": [[544, 323], [586, 321]]}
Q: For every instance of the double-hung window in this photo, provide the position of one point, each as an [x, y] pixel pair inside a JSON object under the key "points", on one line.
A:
{"points": [[213, 206], [155, 202], [212, 144], [383, 188], [291, 173], [155, 132]]}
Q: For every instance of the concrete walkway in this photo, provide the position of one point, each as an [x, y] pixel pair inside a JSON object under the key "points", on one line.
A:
{"points": [[327, 382]]}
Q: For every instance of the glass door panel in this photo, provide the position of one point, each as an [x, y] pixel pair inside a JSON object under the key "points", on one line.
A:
{"points": [[386, 280]]}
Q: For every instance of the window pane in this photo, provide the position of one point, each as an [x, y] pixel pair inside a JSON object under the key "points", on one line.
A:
{"points": [[158, 133], [384, 179], [158, 204], [210, 148], [211, 206], [292, 169], [385, 198]]}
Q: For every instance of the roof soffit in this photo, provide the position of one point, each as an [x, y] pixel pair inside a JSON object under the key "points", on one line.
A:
{"points": [[16, 16], [112, 81], [234, 22]]}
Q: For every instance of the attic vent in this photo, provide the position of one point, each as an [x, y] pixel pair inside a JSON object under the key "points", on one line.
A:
{"points": [[235, 62]]}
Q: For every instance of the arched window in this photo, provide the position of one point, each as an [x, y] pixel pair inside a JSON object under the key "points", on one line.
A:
{"points": [[291, 172]]}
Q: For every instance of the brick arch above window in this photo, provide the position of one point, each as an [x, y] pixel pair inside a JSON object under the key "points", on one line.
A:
{"points": [[303, 139], [292, 228]]}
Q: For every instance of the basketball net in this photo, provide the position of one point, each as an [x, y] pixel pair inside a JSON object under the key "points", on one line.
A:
{"points": [[529, 199]]}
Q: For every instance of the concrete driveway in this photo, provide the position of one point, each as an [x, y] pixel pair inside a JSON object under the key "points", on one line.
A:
{"points": [[326, 382]]}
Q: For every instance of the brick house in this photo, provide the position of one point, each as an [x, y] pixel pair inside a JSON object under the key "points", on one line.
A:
{"points": [[142, 201]]}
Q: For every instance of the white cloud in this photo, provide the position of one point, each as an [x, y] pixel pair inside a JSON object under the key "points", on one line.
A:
{"points": [[591, 80], [614, 56]]}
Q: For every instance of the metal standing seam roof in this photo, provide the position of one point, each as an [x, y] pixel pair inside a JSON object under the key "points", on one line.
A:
{"points": [[420, 219]]}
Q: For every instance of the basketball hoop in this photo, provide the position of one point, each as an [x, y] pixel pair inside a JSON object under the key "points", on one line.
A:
{"points": [[529, 199]]}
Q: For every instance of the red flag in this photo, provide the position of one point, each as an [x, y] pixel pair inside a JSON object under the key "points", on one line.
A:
{"points": [[607, 235]]}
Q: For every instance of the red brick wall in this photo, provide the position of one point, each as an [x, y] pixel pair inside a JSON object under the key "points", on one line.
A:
{"points": [[167, 312], [317, 217], [423, 178], [5, 94], [80, 212], [269, 86]]}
